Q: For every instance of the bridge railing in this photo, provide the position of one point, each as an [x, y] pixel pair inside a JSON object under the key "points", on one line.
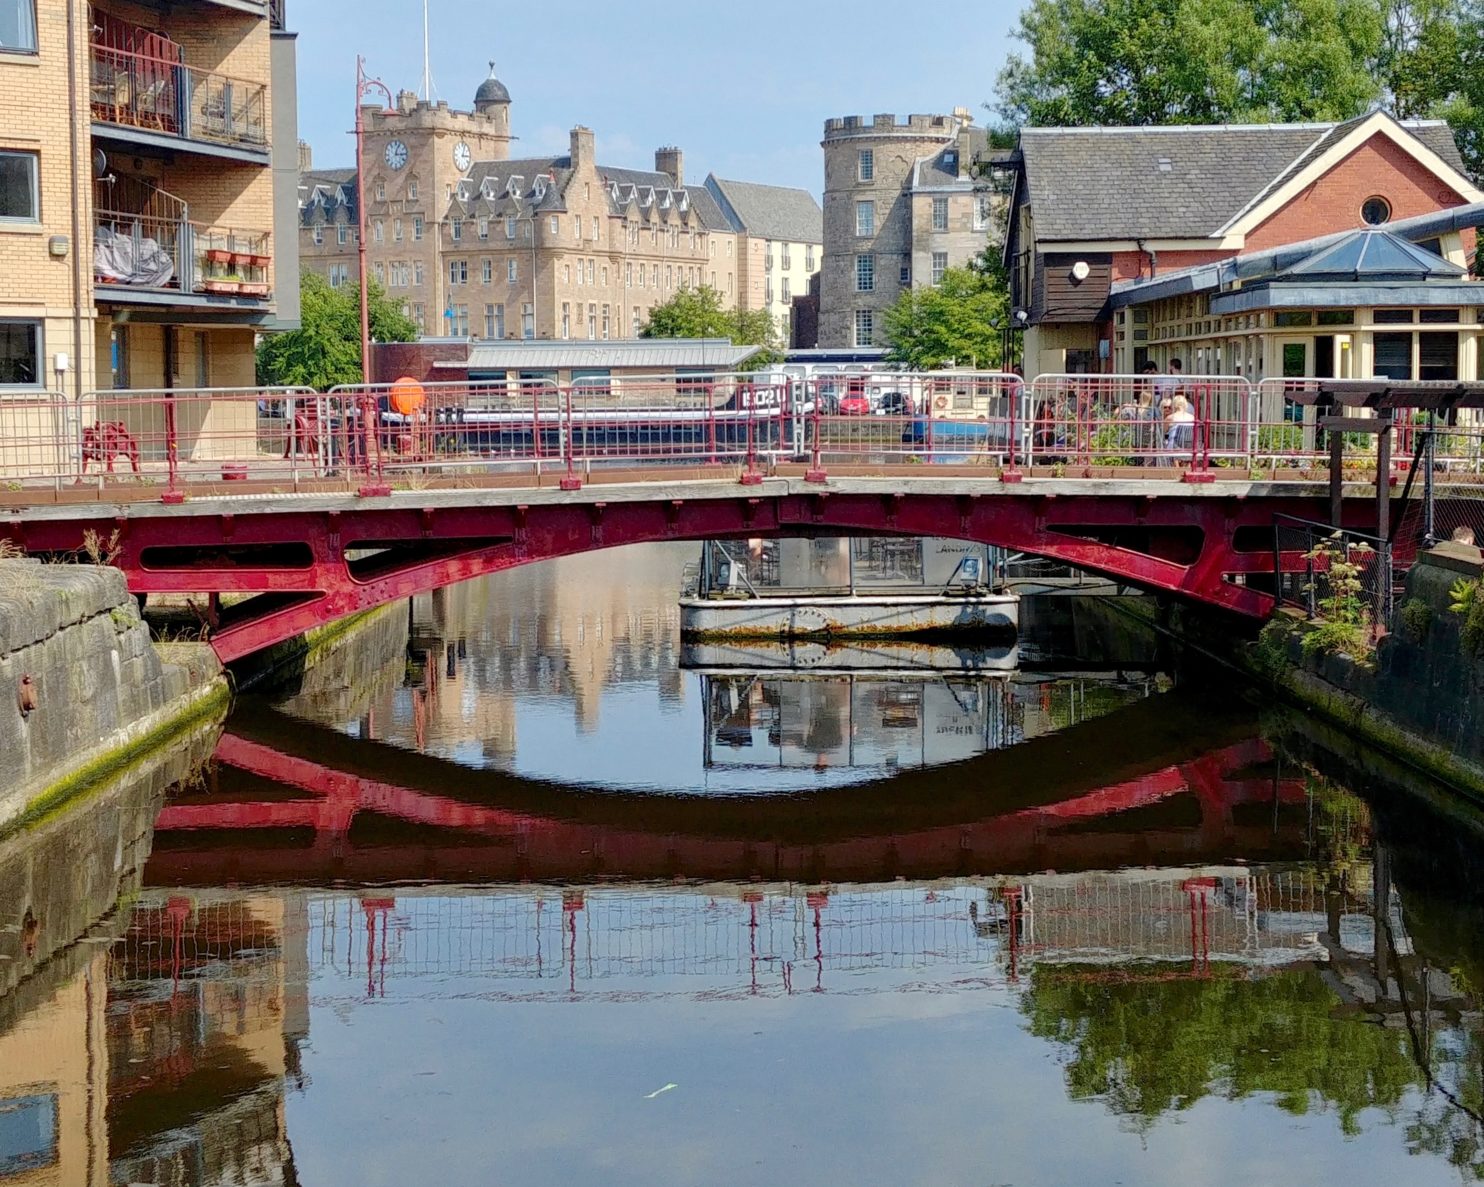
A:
{"points": [[369, 437], [1339, 575]]}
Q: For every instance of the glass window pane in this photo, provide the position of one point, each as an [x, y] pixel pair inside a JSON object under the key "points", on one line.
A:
{"points": [[1393, 356], [18, 185], [20, 352], [1438, 356], [18, 26]]}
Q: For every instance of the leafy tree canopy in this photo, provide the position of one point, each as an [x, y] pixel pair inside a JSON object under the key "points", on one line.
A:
{"points": [[1134, 62], [958, 321], [698, 313], [326, 350]]}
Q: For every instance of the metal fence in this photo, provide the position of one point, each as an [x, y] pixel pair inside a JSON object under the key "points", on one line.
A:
{"points": [[1335, 574], [374, 437]]}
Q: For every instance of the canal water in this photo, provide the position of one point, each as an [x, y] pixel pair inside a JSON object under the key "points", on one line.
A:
{"points": [[521, 890]]}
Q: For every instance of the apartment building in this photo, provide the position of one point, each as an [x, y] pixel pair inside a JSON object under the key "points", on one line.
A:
{"points": [[903, 202], [781, 244], [474, 244], [147, 164]]}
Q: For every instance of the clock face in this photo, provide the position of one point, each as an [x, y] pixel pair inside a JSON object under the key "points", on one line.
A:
{"points": [[396, 155], [462, 157]]}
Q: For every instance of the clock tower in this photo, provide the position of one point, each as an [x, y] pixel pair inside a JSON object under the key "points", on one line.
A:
{"points": [[415, 155]]}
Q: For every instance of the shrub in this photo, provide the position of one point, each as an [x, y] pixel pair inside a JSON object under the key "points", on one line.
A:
{"points": [[1416, 618], [1112, 445], [1338, 638], [1464, 600]]}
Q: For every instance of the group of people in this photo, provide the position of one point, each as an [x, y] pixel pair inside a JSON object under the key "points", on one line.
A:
{"points": [[1156, 413]]}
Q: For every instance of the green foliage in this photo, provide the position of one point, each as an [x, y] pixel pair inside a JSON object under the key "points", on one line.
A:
{"points": [[1346, 628], [1271, 650], [958, 321], [1280, 439], [1464, 600], [1221, 61], [1147, 1047], [1112, 444], [698, 313], [326, 351], [1416, 619]]}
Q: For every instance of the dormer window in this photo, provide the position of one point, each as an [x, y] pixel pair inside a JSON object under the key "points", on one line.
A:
{"points": [[1165, 165], [950, 159], [515, 186], [487, 189]]}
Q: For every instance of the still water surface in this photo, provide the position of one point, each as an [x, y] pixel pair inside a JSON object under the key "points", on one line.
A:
{"points": [[521, 892]]}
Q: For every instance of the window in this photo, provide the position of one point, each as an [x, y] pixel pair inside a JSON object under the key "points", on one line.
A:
{"points": [[788, 291], [458, 324], [595, 228], [396, 230], [628, 275], [319, 236], [768, 292], [1393, 355], [809, 258], [605, 322], [865, 218], [342, 234], [555, 227], [512, 270], [940, 214], [865, 165], [787, 261], [509, 227], [654, 276], [636, 323], [488, 270], [419, 276], [1375, 210], [378, 235], [484, 228], [381, 191], [412, 188], [420, 315], [1438, 317], [566, 319], [203, 359], [905, 273], [458, 272], [1437, 356], [577, 227], [527, 321], [768, 258], [380, 272], [456, 229], [981, 211], [865, 274], [865, 327], [940, 266], [590, 279], [20, 353], [118, 357], [18, 26], [592, 321], [1394, 317], [641, 276], [581, 273], [605, 275]]}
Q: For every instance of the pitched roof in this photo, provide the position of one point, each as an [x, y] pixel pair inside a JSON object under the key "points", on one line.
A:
{"points": [[1373, 255], [321, 191], [1190, 180], [769, 211]]}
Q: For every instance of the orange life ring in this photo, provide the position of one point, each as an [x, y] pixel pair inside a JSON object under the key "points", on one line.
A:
{"points": [[940, 403], [407, 396]]}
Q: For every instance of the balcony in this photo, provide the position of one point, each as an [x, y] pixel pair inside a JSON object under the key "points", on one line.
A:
{"points": [[152, 253], [143, 92]]}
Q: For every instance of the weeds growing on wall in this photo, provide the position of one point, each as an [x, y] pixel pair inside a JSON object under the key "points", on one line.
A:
{"points": [[1465, 600], [1346, 625]]}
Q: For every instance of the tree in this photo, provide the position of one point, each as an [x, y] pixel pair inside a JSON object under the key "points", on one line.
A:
{"points": [[326, 350], [959, 321], [698, 313], [1192, 61]]}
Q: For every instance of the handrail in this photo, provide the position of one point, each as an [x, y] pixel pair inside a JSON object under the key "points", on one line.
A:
{"points": [[134, 89]]}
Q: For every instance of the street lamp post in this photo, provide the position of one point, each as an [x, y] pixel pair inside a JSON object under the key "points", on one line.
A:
{"points": [[364, 85]]}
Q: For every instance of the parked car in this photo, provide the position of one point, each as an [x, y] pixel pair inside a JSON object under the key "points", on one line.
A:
{"points": [[855, 404], [894, 404]]}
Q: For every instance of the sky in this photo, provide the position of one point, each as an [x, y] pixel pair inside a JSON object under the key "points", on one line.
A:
{"points": [[743, 89]]}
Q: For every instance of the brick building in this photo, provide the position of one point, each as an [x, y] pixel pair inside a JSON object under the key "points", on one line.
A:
{"points": [[1270, 250], [903, 201], [147, 162], [474, 244]]}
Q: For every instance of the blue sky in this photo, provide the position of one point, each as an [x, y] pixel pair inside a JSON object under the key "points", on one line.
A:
{"points": [[743, 89]]}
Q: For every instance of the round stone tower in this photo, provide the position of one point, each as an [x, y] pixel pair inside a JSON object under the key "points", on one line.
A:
{"points": [[492, 101], [868, 167]]}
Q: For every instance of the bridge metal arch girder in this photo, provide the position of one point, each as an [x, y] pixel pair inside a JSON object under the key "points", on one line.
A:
{"points": [[439, 545]]}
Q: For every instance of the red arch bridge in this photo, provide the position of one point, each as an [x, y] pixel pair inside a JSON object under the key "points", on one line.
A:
{"points": [[319, 506]]}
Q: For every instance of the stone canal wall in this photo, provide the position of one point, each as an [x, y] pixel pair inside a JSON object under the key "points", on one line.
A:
{"points": [[83, 691]]}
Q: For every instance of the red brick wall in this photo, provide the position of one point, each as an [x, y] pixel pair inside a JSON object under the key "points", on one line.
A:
{"points": [[390, 361], [1131, 265], [1378, 167]]}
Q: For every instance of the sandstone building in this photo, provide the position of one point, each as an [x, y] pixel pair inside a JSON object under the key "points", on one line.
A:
{"points": [[474, 244], [147, 164], [903, 202]]}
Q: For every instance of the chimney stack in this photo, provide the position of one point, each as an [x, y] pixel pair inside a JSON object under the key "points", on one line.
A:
{"points": [[406, 102], [306, 157], [583, 148], [671, 162]]}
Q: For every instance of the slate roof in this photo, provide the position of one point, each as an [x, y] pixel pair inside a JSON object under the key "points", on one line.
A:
{"points": [[768, 211], [1188, 181], [935, 171], [323, 192]]}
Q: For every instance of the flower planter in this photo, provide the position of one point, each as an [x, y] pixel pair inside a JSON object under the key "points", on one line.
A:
{"points": [[253, 290], [222, 286], [218, 255]]}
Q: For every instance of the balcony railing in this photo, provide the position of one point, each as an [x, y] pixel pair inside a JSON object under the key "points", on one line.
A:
{"points": [[137, 251], [156, 94]]}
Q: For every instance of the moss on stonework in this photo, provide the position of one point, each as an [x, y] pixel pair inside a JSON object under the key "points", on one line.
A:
{"points": [[51, 800]]}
